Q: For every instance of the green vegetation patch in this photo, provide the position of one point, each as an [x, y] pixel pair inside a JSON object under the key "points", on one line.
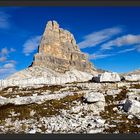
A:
{"points": [[136, 86], [29, 91], [48, 108]]}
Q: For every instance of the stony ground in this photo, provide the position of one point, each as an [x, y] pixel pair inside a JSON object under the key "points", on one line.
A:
{"points": [[62, 109]]}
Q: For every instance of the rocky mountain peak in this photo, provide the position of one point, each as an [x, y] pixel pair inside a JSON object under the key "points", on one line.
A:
{"points": [[54, 35], [52, 25], [58, 51]]}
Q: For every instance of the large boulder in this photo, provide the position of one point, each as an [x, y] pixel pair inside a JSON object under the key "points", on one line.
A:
{"points": [[132, 77], [95, 98], [132, 107], [107, 77]]}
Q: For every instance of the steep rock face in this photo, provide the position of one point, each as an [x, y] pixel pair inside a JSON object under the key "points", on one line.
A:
{"points": [[58, 51]]}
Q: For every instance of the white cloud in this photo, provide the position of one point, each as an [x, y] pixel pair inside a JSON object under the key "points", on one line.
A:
{"points": [[9, 65], [100, 56], [127, 50], [11, 61], [4, 20], [3, 59], [122, 41], [96, 38], [12, 50], [7, 70], [4, 51], [106, 35], [137, 47], [31, 45]]}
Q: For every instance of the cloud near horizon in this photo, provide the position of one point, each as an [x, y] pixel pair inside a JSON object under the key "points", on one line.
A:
{"points": [[7, 66], [4, 52], [7, 70], [95, 38], [3, 59]]}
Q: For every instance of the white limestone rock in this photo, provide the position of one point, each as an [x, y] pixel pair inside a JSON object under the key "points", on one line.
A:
{"points": [[97, 99], [132, 107], [130, 117], [93, 97], [131, 78], [113, 92], [136, 91], [134, 95], [115, 109], [33, 99], [33, 131], [107, 77], [31, 78], [3, 101], [95, 131], [100, 121]]}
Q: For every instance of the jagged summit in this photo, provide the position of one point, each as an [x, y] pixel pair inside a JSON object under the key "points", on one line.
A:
{"points": [[58, 51], [53, 34]]}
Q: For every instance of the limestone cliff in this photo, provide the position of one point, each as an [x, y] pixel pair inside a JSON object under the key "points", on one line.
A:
{"points": [[58, 51]]}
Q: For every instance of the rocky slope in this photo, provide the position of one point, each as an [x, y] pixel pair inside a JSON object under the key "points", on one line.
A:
{"points": [[86, 107]]}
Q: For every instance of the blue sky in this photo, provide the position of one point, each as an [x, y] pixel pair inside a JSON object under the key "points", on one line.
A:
{"points": [[109, 35]]}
